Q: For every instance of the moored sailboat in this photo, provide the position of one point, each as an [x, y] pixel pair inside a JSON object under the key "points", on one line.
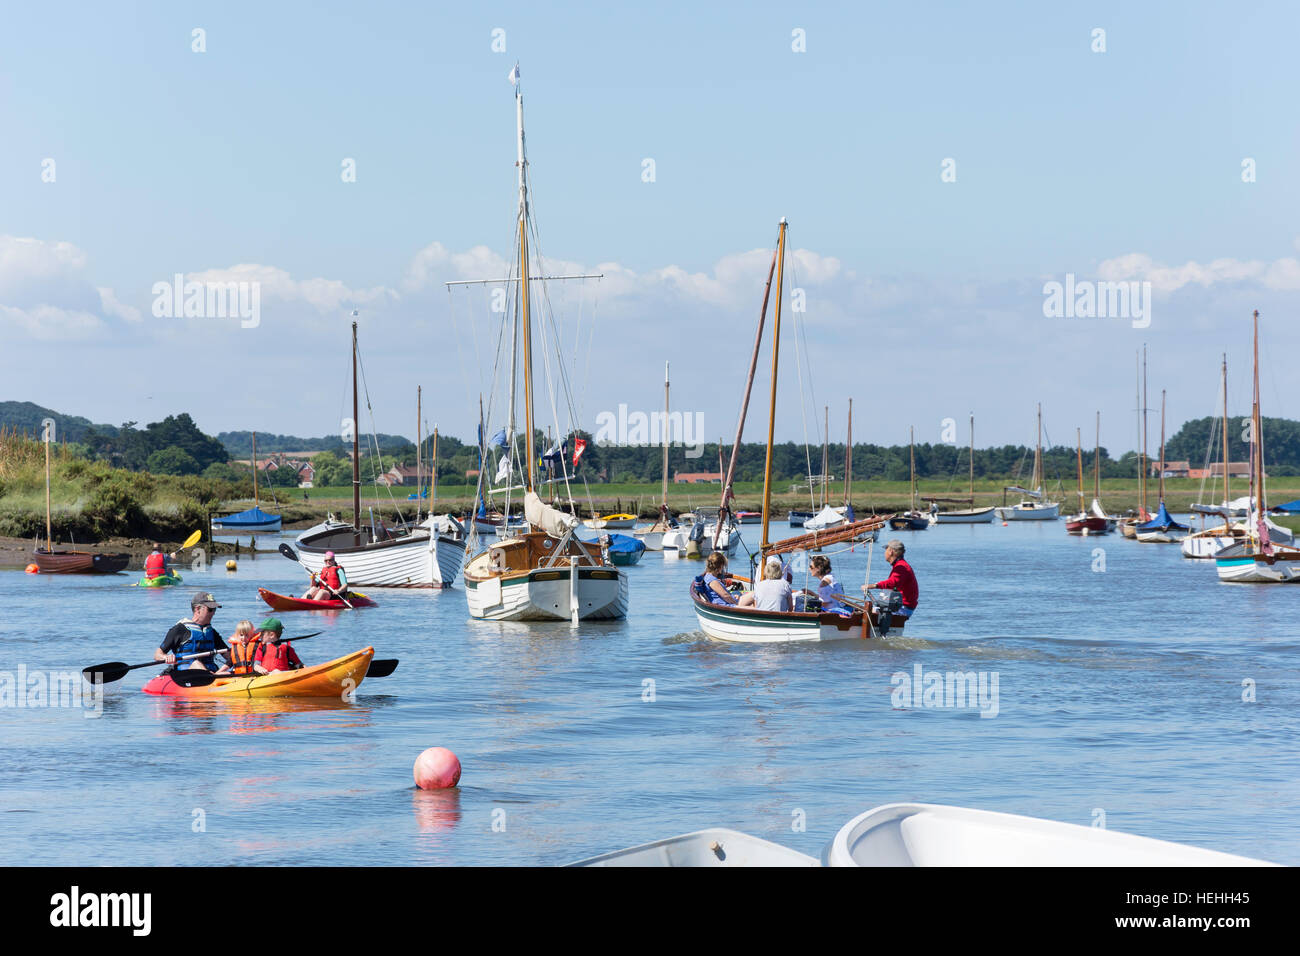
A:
{"points": [[1162, 529], [50, 561], [1085, 523], [254, 519], [971, 515], [912, 519], [1034, 506]]}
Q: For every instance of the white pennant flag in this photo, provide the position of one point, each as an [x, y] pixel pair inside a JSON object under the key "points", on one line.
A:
{"points": [[514, 76], [503, 468]]}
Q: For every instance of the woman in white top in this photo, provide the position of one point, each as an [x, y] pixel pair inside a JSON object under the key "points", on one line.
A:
{"points": [[828, 588], [770, 594]]}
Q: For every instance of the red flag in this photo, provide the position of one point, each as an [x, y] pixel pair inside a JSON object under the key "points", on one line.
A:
{"points": [[579, 446]]}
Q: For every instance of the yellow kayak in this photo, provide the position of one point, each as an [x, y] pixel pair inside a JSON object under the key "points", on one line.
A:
{"points": [[331, 679]]}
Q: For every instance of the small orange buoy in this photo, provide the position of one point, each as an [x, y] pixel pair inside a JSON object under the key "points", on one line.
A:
{"points": [[33, 569], [437, 769], [1004, 524]]}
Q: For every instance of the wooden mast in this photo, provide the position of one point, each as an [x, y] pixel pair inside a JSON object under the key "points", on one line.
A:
{"points": [[1226, 499], [49, 533], [771, 407], [1257, 456], [826, 452], [523, 296], [433, 469], [1145, 512], [663, 507], [419, 441], [848, 461], [1096, 464], [972, 460], [911, 450], [356, 448], [256, 502], [1038, 456], [1162, 446], [1078, 451]]}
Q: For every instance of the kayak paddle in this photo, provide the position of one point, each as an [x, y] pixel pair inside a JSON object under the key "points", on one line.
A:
{"points": [[116, 670], [382, 668], [289, 553]]}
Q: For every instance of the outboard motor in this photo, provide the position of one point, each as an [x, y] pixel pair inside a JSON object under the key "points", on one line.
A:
{"points": [[886, 602], [694, 538]]}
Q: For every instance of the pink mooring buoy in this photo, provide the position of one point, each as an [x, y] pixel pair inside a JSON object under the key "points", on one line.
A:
{"points": [[437, 769]]}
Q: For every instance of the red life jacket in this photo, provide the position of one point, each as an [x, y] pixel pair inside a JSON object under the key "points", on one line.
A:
{"points": [[329, 576], [276, 657], [155, 565]]}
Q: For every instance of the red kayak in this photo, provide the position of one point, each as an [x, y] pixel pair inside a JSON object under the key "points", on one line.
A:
{"points": [[283, 602]]}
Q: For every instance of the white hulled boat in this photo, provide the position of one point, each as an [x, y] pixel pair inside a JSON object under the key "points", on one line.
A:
{"points": [[1034, 506]]}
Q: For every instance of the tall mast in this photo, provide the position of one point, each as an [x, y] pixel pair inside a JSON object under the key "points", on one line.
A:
{"points": [[972, 460], [256, 502], [1096, 463], [663, 512], [1162, 446], [522, 163], [356, 447], [1038, 454], [49, 534], [1226, 499], [1144, 430], [771, 407], [1261, 500], [826, 452], [1078, 451], [419, 441], [848, 459], [911, 451], [433, 495]]}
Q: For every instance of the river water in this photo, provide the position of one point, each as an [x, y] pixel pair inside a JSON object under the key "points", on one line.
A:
{"points": [[1122, 683]]}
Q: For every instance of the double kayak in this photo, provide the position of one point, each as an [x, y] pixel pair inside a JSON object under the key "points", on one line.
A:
{"points": [[331, 679], [286, 602], [162, 581]]}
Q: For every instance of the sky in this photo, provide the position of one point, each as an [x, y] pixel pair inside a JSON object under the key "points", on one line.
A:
{"points": [[939, 165]]}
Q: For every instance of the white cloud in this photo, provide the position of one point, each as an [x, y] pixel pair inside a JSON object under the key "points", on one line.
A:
{"points": [[1279, 275], [48, 322], [325, 295], [111, 306]]}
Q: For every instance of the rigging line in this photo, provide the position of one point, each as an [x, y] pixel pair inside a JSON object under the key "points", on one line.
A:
{"points": [[374, 441], [803, 408]]}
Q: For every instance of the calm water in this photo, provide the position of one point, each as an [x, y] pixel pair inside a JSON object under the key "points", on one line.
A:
{"points": [[1118, 690]]}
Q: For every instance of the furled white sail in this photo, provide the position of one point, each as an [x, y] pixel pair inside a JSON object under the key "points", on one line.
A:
{"points": [[551, 520]]}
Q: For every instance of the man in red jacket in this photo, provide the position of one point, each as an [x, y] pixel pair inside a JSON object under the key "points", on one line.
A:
{"points": [[901, 578]]}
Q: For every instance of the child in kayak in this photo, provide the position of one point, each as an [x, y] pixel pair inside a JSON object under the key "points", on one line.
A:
{"points": [[271, 654], [243, 652]]}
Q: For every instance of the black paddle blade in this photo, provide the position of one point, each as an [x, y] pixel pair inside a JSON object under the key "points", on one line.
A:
{"points": [[105, 673], [382, 668], [193, 677], [288, 552], [301, 637]]}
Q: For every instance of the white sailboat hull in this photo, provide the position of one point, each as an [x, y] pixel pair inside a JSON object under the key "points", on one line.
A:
{"points": [[422, 561], [545, 595], [1237, 564], [967, 516], [1026, 511]]}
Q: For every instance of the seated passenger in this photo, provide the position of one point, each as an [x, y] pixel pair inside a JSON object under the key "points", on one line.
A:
{"points": [[772, 593], [828, 589], [715, 571]]}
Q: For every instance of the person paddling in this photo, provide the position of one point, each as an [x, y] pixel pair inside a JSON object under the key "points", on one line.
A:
{"points": [[194, 635], [271, 654], [158, 564], [330, 582]]}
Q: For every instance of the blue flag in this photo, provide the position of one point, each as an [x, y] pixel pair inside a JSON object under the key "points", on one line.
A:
{"points": [[499, 439]]}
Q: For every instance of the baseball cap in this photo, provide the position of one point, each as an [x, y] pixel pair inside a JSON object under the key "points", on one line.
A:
{"points": [[271, 624], [204, 599]]}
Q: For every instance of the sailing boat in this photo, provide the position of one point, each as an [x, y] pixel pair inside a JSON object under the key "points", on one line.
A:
{"points": [[1162, 529], [664, 532], [1208, 541], [49, 561], [730, 622], [1097, 509], [831, 516], [971, 515], [546, 573], [429, 557], [1085, 523], [254, 519], [911, 520], [1258, 560], [1033, 507]]}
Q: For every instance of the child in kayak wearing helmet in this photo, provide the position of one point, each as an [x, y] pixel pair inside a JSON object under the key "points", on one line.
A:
{"points": [[330, 583], [244, 645], [271, 654]]}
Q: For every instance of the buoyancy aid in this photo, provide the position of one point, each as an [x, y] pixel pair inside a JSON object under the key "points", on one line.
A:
{"points": [[155, 565], [329, 576], [275, 657], [200, 640], [242, 655]]}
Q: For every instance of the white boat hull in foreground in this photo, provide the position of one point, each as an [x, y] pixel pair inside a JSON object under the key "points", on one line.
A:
{"points": [[715, 847], [419, 560]]}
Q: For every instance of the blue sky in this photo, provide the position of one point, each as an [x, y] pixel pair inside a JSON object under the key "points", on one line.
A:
{"points": [[924, 297]]}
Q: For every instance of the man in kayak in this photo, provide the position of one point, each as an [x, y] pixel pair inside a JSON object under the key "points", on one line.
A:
{"points": [[158, 564], [330, 583], [901, 579], [194, 635], [271, 654]]}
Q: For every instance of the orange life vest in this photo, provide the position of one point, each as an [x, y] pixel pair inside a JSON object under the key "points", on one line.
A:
{"points": [[329, 576], [155, 565], [242, 655]]}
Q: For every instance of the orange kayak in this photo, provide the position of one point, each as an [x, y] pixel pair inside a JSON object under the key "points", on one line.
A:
{"points": [[286, 602], [331, 679]]}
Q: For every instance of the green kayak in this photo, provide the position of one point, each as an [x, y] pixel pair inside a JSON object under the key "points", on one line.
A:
{"points": [[162, 581]]}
